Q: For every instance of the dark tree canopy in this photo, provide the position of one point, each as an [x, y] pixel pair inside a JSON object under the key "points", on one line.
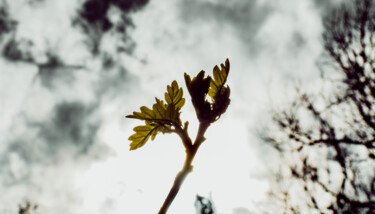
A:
{"points": [[327, 138]]}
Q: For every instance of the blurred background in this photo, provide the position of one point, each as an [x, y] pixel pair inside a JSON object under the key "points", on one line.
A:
{"points": [[71, 70]]}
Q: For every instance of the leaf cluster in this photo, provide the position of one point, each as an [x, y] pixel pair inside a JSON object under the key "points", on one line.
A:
{"points": [[200, 86], [163, 117]]}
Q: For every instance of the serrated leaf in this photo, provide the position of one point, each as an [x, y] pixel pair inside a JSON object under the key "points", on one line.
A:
{"points": [[171, 113], [161, 118], [156, 114], [145, 114], [200, 86], [141, 136], [163, 113], [143, 133], [174, 95], [159, 109], [220, 77]]}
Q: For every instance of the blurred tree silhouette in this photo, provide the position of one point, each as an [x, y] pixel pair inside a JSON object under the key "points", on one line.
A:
{"points": [[204, 205], [327, 140], [29, 208]]}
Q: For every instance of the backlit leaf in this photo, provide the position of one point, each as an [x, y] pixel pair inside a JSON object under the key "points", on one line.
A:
{"points": [[143, 133], [159, 109], [171, 113], [215, 87], [145, 114], [161, 118], [220, 77], [140, 137], [174, 95]]}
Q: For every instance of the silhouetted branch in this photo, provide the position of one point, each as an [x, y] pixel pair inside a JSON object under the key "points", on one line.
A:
{"points": [[338, 128]]}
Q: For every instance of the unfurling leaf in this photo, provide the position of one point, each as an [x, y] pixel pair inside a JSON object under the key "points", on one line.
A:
{"points": [[163, 113], [218, 91], [159, 109], [200, 86], [220, 77], [143, 133], [140, 137], [161, 118], [174, 95], [145, 114], [198, 89]]}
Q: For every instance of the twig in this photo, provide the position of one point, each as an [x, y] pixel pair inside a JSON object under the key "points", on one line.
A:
{"points": [[191, 150]]}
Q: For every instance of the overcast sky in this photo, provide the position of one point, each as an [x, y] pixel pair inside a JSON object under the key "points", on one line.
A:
{"points": [[63, 99]]}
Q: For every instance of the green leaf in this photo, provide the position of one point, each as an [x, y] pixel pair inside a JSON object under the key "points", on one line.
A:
{"points": [[159, 109], [220, 77], [174, 95], [171, 113], [163, 113], [160, 113], [156, 114], [140, 137], [145, 114], [161, 118], [143, 133]]}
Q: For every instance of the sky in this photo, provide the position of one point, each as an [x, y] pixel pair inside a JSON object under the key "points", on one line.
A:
{"points": [[69, 76]]}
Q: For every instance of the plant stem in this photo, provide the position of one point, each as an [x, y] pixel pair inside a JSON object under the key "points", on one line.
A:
{"points": [[191, 150], [177, 185]]}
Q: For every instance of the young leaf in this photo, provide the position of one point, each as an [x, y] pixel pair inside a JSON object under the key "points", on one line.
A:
{"points": [[172, 113], [200, 86], [198, 89], [220, 77], [140, 137], [145, 114], [160, 118], [143, 133], [159, 109], [174, 95], [218, 91]]}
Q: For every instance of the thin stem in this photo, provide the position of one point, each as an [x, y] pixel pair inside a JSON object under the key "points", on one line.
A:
{"points": [[191, 150], [177, 184]]}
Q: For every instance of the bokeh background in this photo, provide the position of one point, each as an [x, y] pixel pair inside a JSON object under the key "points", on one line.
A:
{"points": [[71, 70]]}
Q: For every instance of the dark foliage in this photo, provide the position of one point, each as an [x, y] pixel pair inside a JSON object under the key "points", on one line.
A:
{"points": [[329, 138], [198, 88]]}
